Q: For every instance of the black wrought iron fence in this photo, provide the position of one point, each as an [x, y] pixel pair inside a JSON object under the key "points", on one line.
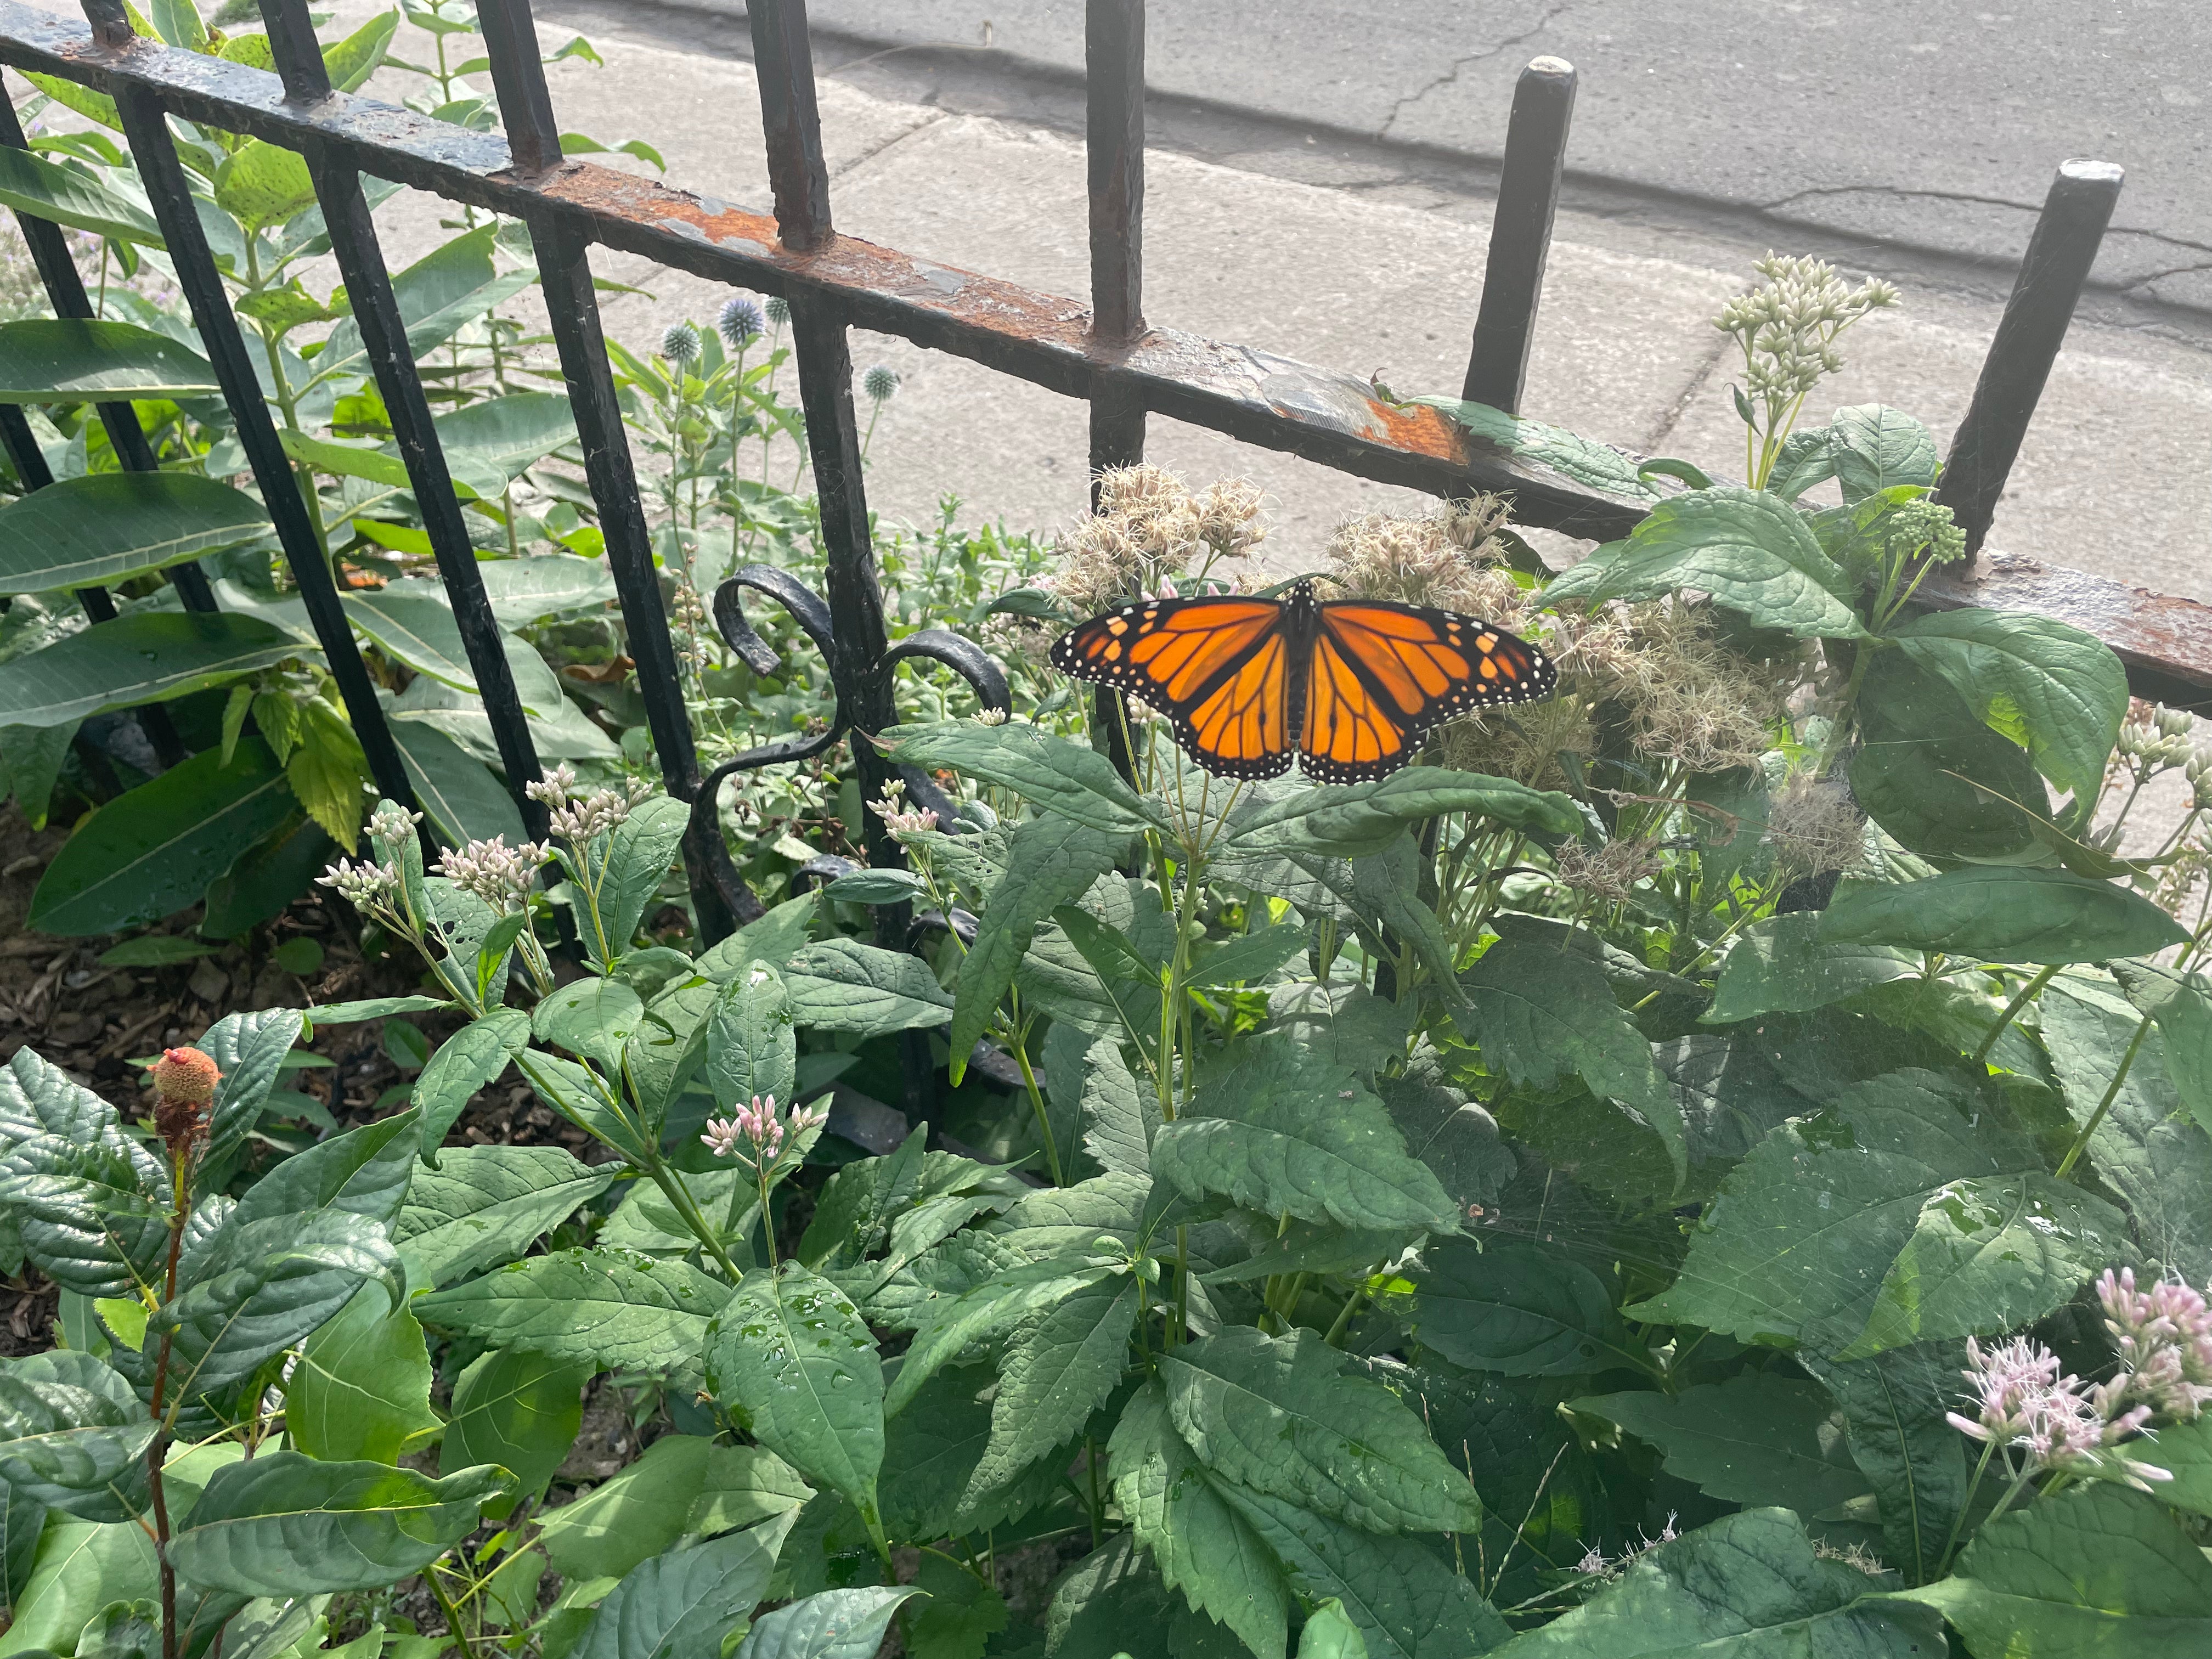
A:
{"points": [[1106, 354]]}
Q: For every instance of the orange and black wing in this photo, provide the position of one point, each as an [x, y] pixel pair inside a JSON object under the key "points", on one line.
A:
{"points": [[1382, 675], [1218, 667]]}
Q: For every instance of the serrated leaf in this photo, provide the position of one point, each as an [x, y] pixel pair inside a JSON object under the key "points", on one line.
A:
{"points": [[963, 1612], [1119, 1117], [593, 1019], [1059, 1367], [639, 854], [486, 1205], [997, 1303], [838, 1623], [73, 1435], [1282, 1131], [248, 1050], [1279, 1415], [843, 984], [611, 1310], [752, 1047], [1875, 447], [1781, 965], [284, 1524], [1520, 1309], [1351, 820], [687, 1601], [683, 1486]]}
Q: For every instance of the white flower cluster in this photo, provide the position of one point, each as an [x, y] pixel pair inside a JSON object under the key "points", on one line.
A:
{"points": [[364, 886], [502, 876], [579, 819], [899, 819], [1788, 325]]}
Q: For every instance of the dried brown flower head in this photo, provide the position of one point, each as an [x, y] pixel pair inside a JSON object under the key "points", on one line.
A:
{"points": [[185, 1082], [1813, 826], [1449, 558], [1611, 872]]}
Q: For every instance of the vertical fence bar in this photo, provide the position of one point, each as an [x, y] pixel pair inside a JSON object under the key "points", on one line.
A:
{"points": [[797, 169], [564, 269], [384, 333], [146, 129], [2052, 277], [66, 290], [1521, 234]]}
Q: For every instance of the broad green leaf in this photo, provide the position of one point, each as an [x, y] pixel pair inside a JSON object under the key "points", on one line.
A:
{"points": [[1752, 551], [771, 938], [527, 590], [878, 887], [1279, 1416], [593, 1019], [1061, 1366], [22, 1522], [1905, 1206], [31, 760], [249, 1049], [463, 801], [417, 627], [683, 1486], [149, 656], [1405, 1600], [838, 1623], [1062, 778], [687, 1601], [1109, 1604], [51, 360], [2184, 1451], [352, 61], [1875, 447], [1119, 1116], [1330, 1634], [364, 1172], [1782, 965], [669, 1046], [471, 1059], [1283, 1132], [88, 1202], [639, 854], [843, 984], [64, 192], [361, 1390], [2043, 683], [2182, 1007], [2043, 916], [1520, 1309], [1747, 1586], [1348, 820], [1930, 771], [2098, 1572], [1251, 957], [347, 459], [73, 1435], [996, 1304], [1754, 1439], [493, 441], [1051, 861], [1542, 1014], [931, 1451], [264, 184], [579, 1095], [286, 1525], [520, 1410], [790, 1360], [1597, 465], [447, 289], [752, 1050], [612, 1311], [963, 1612], [1201, 1545]]}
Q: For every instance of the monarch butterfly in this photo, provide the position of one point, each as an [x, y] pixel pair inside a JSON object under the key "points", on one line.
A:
{"points": [[1350, 685]]}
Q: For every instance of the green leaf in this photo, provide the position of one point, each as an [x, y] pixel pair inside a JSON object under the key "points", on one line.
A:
{"points": [[878, 887], [687, 1601], [464, 800], [639, 854], [1752, 551], [493, 441], [1252, 957], [843, 985], [1061, 1366], [63, 192], [1782, 965], [1058, 777], [2034, 679], [263, 183], [527, 590], [249, 1049], [364, 1172], [352, 1014], [593, 1019], [1119, 1117], [1520, 1309], [615, 1311], [1284, 1132], [50, 359], [85, 1196], [1330, 1634], [31, 760], [1542, 1014], [446, 287], [683, 1486], [1406, 1601], [1932, 774], [286, 1525], [1110, 1604], [838, 1623], [1756, 1438], [1278, 1415], [997, 1303], [1051, 861], [471, 1059], [2044, 917], [962, 1614], [520, 1410], [361, 1390], [412, 621], [2184, 1450], [1905, 1206], [73, 1435], [1202, 1546], [1747, 1586], [1875, 447], [2182, 1005], [149, 656], [1598, 466], [2098, 1571], [1348, 820], [791, 1360], [581, 1095], [752, 1050]]}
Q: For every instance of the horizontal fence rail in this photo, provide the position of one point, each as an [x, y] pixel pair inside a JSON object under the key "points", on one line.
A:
{"points": [[1105, 353]]}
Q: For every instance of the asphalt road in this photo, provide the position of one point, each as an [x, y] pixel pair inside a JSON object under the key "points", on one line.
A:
{"points": [[1929, 123]]}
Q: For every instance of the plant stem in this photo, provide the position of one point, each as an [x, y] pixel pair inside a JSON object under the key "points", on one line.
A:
{"points": [[1036, 1104], [1344, 1315], [2080, 1141], [2021, 999]]}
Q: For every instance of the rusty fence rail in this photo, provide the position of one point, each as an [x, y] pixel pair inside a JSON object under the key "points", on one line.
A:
{"points": [[1105, 353]]}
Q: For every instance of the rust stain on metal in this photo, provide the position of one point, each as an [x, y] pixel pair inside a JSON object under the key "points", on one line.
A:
{"points": [[1421, 431]]}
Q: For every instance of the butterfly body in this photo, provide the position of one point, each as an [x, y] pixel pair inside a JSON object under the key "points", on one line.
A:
{"points": [[1347, 687]]}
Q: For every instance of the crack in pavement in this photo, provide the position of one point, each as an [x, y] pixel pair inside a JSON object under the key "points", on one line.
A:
{"points": [[1551, 14], [1904, 193]]}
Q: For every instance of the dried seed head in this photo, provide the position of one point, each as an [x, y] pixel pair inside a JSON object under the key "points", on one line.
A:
{"points": [[1814, 826]]}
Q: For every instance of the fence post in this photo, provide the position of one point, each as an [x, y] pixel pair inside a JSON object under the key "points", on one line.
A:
{"points": [[2052, 274], [1521, 234]]}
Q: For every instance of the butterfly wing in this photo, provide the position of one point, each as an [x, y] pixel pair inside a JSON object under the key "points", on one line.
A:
{"points": [[1382, 674], [1217, 666]]}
